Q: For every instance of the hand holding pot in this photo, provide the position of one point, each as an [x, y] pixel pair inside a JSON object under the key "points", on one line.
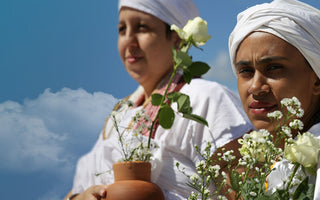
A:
{"points": [[95, 192]]}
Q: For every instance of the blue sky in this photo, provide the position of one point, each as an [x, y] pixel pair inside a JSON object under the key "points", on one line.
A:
{"points": [[60, 75]]}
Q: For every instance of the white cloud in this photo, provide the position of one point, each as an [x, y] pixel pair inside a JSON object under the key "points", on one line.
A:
{"points": [[49, 133], [221, 71]]}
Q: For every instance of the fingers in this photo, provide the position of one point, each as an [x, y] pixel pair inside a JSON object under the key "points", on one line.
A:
{"points": [[95, 192], [98, 190]]}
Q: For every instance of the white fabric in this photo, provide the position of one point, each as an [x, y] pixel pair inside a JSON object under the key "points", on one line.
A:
{"points": [[227, 121], [176, 12], [291, 20], [315, 130]]}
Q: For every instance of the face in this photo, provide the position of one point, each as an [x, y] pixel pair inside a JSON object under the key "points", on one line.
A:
{"points": [[268, 70], [144, 47]]}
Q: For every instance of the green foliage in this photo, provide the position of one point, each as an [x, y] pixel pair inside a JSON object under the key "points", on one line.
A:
{"points": [[235, 179], [182, 59], [196, 118], [304, 191], [198, 68], [166, 116], [184, 107], [156, 99]]}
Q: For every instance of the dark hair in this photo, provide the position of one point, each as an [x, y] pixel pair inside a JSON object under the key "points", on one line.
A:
{"points": [[168, 30]]}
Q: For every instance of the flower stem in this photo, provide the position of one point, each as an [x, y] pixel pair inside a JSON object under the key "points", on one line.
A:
{"points": [[162, 101], [296, 167]]}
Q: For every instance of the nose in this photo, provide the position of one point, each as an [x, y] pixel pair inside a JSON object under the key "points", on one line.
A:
{"points": [[259, 85], [130, 38]]}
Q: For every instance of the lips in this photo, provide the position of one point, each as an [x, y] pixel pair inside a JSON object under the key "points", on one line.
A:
{"points": [[133, 59], [259, 107]]}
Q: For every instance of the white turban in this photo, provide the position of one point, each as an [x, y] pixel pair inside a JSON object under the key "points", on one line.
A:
{"points": [[176, 12], [295, 22]]}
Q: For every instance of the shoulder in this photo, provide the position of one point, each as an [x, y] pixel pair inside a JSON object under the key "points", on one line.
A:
{"points": [[204, 89], [203, 86]]}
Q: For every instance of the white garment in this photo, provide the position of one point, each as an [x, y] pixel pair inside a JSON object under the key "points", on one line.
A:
{"points": [[295, 22], [176, 12], [219, 106]]}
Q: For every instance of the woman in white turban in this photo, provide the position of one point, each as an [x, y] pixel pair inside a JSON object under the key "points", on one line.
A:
{"points": [[144, 43], [275, 54]]}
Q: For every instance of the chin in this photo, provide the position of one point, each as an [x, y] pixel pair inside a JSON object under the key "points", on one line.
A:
{"points": [[261, 124]]}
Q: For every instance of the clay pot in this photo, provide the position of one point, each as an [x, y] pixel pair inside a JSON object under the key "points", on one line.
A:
{"points": [[132, 181]]}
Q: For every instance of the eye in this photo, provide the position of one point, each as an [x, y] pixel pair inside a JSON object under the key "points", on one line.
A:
{"points": [[121, 28], [142, 27], [272, 67], [245, 69]]}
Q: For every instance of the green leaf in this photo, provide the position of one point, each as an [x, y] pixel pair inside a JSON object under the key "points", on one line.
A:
{"points": [[173, 96], [166, 116], [183, 58], [187, 76], [304, 191], [196, 118], [183, 102], [235, 179], [198, 68], [156, 99]]}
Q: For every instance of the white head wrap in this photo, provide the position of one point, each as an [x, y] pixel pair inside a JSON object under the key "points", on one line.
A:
{"points": [[176, 12], [295, 22]]}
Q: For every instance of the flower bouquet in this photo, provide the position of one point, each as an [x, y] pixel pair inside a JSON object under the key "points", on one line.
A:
{"points": [[264, 170]]}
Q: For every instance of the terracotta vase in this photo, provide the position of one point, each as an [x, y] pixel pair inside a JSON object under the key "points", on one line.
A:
{"points": [[132, 181]]}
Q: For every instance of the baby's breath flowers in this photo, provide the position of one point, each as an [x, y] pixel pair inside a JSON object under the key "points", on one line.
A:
{"points": [[133, 144], [269, 171], [201, 183]]}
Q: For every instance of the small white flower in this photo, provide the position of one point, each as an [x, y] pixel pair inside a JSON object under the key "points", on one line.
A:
{"points": [[276, 115], [291, 110], [296, 102], [206, 192], [220, 197], [296, 124], [253, 194], [224, 175], [227, 156], [300, 113], [286, 130], [194, 177], [285, 101]]}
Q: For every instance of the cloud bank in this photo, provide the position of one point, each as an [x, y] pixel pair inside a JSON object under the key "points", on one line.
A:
{"points": [[50, 132], [221, 71]]}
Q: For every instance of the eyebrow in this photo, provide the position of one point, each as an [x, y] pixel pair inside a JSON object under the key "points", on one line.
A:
{"points": [[262, 60]]}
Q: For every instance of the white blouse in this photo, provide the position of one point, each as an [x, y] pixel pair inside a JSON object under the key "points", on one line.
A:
{"points": [[219, 106]]}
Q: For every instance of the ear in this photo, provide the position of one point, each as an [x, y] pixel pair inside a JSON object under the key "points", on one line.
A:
{"points": [[176, 39], [316, 85]]}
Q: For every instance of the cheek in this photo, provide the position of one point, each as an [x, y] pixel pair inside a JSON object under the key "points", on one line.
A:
{"points": [[120, 48], [243, 89]]}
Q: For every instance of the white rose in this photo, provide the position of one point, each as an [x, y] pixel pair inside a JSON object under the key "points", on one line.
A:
{"points": [[305, 150], [195, 29]]}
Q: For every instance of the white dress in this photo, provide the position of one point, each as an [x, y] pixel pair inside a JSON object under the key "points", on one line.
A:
{"points": [[218, 105]]}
